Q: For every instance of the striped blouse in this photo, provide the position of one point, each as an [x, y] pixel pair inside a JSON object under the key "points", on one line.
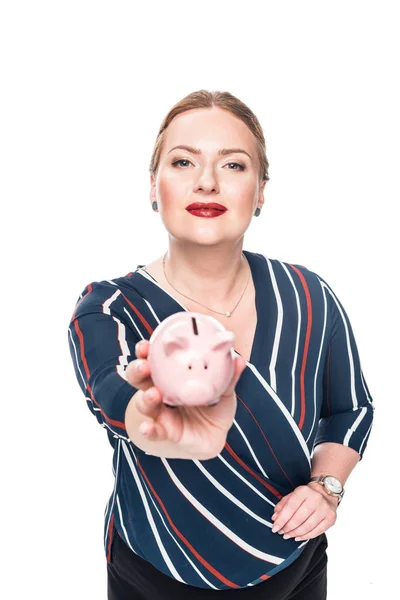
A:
{"points": [[208, 523]]}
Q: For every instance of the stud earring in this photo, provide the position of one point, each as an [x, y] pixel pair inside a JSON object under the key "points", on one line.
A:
{"points": [[154, 205], [257, 212]]}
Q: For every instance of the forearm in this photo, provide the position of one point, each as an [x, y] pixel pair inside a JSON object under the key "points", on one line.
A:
{"points": [[334, 459], [330, 458]]}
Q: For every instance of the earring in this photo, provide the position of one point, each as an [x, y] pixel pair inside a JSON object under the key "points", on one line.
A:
{"points": [[154, 205], [257, 212]]}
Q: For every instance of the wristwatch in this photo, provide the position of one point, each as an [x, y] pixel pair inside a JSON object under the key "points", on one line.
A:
{"points": [[331, 484]]}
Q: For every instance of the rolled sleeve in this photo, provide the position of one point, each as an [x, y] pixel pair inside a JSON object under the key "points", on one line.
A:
{"points": [[101, 347], [347, 409]]}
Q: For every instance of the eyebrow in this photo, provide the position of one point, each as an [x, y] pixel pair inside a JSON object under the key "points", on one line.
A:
{"points": [[222, 151]]}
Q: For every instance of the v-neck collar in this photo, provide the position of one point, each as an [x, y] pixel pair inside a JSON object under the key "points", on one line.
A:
{"points": [[166, 304]]}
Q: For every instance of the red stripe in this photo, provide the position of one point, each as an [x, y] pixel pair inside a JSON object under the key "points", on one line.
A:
{"points": [[264, 483], [206, 564], [110, 537], [78, 303], [139, 314], [87, 372], [269, 445], [306, 346]]}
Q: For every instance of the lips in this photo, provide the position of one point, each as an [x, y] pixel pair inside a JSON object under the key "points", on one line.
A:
{"points": [[206, 205]]}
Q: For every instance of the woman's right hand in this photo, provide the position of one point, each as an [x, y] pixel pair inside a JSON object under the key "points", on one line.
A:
{"points": [[196, 430]]}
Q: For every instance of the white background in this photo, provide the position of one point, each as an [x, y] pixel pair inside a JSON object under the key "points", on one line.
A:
{"points": [[85, 86]]}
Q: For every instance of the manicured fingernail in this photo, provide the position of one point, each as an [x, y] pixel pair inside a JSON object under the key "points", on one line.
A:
{"points": [[139, 365], [149, 394], [286, 536], [275, 528]]}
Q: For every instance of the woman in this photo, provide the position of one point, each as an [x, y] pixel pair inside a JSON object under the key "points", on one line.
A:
{"points": [[199, 492]]}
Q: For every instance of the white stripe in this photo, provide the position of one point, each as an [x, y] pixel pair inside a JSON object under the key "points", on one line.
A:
{"points": [[272, 366], [251, 486], [353, 428], [125, 351], [152, 311], [231, 497], [365, 388], [123, 358], [172, 535], [113, 499], [133, 322], [364, 440], [350, 354], [318, 361], [284, 411], [76, 357], [121, 520], [150, 518], [112, 282], [297, 339], [250, 448], [218, 524], [107, 303]]}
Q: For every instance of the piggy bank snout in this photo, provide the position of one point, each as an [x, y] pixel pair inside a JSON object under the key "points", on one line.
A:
{"points": [[195, 391]]}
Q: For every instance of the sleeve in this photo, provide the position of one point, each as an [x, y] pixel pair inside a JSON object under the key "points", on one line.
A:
{"points": [[347, 410], [101, 347]]}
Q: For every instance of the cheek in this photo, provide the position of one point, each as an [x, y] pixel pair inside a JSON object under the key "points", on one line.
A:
{"points": [[170, 188]]}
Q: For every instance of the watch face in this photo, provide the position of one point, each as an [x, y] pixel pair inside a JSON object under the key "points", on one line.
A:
{"points": [[333, 484]]}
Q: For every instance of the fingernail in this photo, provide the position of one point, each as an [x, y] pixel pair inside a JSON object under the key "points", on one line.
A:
{"points": [[275, 528], [286, 536], [149, 394], [138, 365]]}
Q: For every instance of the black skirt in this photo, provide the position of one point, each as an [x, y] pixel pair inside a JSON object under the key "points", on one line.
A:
{"points": [[132, 578]]}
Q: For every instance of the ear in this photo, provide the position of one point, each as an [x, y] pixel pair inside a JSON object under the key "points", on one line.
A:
{"points": [[223, 340], [152, 193], [171, 343], [261, 199]]}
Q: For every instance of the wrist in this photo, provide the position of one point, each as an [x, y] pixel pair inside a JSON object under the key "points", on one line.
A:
{"points": [[321, 488]]}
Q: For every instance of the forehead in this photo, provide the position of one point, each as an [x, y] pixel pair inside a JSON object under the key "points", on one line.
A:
{"points": [[208, 129]]}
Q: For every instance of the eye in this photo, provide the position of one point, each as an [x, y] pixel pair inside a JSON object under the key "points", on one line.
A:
{"points": [[180, 161], [242, 167]]}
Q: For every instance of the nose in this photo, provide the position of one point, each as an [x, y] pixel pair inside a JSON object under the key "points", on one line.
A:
{"points": [[207, 182]]}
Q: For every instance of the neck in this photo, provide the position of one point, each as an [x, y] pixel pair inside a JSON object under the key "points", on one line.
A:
{"points": [[206, 273]]}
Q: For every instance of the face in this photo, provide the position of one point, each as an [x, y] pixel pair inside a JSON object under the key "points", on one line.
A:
{"points": [[184, 177]]}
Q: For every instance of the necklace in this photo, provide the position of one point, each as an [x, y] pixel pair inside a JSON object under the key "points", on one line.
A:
{"points": [[227, 314]]}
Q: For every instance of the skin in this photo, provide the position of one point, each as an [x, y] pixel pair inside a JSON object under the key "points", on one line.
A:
{"points": [[204, 261], [204, 257]]}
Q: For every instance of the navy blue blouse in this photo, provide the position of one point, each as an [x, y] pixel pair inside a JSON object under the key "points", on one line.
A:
{"points": [[208, 523]]}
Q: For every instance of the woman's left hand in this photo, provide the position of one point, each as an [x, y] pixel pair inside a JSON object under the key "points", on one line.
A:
{"points": [[305, 513]]}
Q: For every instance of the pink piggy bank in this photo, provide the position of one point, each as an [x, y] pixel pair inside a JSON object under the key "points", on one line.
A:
{"points": [[192, 359]]}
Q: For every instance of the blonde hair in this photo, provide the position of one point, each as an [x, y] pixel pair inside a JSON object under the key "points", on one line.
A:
{"points": [[224, 100]]}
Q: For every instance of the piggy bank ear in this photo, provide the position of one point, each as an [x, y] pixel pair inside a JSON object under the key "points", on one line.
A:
{"points": [[223, 340], [172, 342]]}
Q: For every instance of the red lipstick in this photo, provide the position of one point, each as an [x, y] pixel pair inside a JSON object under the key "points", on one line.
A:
{"points": [[206, 209]]}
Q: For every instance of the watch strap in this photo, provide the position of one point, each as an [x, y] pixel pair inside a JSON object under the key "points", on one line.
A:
{"points": [[320, 479]]}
